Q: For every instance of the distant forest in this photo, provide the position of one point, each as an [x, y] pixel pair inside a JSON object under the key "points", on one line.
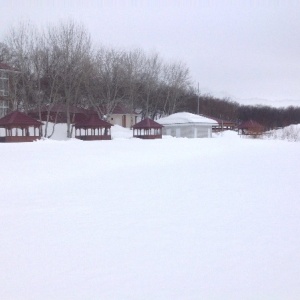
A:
{"points": [[228, 110], [60, 65]]}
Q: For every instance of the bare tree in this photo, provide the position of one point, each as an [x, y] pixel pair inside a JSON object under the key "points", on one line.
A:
{"points": [[177, 82], [135, 62], [150, 82], [5, 55], [108, 82], [20, 41], [72, 46]]}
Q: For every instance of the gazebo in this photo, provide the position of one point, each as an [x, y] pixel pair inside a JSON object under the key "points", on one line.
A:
{"points": [[250, 128], [20, 128], [92, 129], [147, 129]]}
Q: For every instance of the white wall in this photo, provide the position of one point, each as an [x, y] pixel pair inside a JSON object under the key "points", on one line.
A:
{"points": [[189, 131]]}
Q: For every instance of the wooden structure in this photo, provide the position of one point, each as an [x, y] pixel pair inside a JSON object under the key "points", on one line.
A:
{"points": [[250, 128], [93, 129], [147, 129], [20, 128], [222, 124]]}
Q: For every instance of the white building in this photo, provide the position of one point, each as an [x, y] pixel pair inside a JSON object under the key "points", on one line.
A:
{"points": [[184, 124], [122, 115]]}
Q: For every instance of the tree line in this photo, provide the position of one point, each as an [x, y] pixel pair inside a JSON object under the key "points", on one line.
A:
{"points": [[228, 110], [59, 64]]}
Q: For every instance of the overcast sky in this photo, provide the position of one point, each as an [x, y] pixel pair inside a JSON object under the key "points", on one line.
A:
{"points": [[246, 50]]}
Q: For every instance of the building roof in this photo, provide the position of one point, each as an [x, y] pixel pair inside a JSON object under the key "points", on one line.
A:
{"points": [[62, 108], [6, 67], [92, 122], [58, 113], [17, 118], [147, 124], [186, 118], [119, 109], [250, 124]]}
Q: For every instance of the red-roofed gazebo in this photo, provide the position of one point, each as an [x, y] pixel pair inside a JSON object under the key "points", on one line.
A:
{"points": [[147, 129], [92, 129], [20, 128]]}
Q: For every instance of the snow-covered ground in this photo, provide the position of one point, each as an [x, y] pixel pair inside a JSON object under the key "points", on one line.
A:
{"points": [[150, 219]]}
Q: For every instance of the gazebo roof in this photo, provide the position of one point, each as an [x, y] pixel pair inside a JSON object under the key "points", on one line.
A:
{"points": [[119, 109], [92, 122], [147, 124], [17, 118]]}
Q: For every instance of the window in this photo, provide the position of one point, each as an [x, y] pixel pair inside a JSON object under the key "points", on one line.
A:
{"points": [[3, 83], [3, 108]]}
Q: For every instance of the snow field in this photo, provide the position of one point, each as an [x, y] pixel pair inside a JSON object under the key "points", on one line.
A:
{"points": [[162, 219]]}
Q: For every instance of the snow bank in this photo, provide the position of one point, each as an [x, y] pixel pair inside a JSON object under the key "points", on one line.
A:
{"points": [[118, 132], [290, 133], [228, 134]]}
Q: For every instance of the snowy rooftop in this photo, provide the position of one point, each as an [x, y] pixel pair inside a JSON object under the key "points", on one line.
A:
{"points": [[184, 118]]}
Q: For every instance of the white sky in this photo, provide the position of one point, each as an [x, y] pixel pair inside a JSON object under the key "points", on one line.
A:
{"points": [[246, 50]]}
